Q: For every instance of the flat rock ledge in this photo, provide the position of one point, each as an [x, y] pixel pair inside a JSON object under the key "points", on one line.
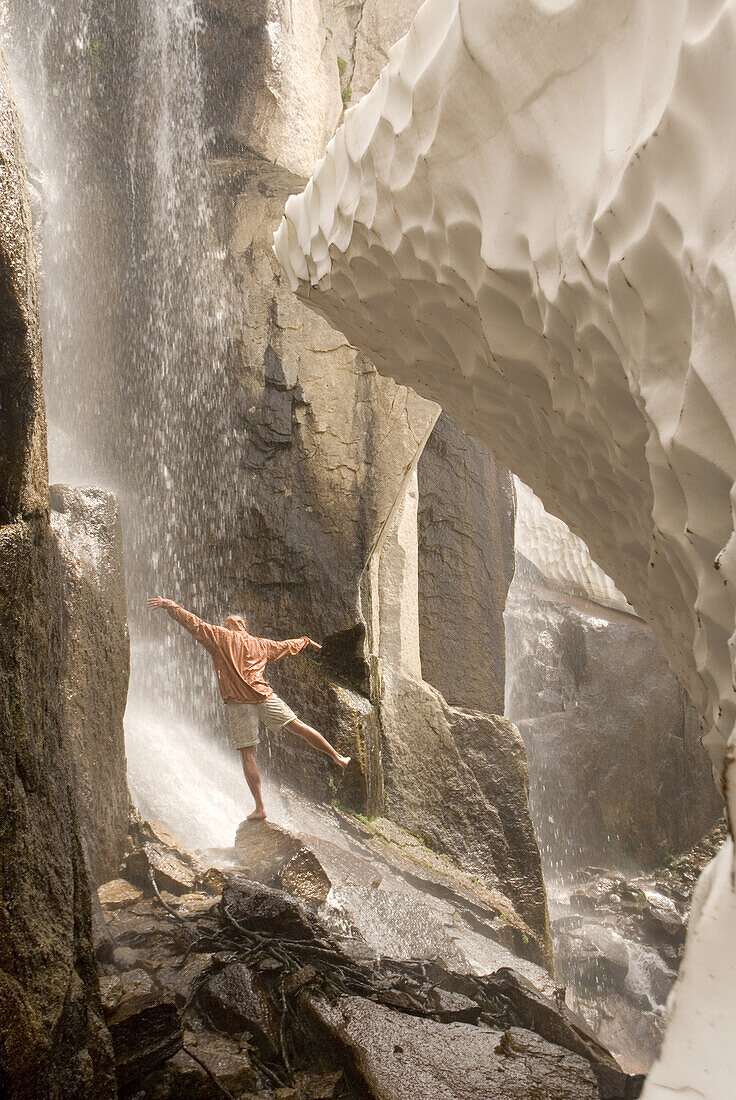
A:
{"points": [[235, 988]]}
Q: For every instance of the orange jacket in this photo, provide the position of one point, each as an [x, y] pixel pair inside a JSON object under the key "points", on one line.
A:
{"points": [[239, 658]]}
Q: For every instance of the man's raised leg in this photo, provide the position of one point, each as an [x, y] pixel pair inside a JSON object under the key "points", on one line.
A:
{"points": [[253, 779], [316, 740]]}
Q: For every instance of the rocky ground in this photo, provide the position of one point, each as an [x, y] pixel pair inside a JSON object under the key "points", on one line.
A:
{"points": [[215, 984], [619, 940]]}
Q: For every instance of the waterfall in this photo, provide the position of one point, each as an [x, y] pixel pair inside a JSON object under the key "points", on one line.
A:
{"points": [[138, 323]]}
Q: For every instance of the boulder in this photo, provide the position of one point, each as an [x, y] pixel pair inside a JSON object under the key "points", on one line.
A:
{"points": [[511, 1001], [260, 908], [145, 1028], [236, 1000], [183, 1078], [392, 1055], [157, 853], [86, 525], [118, 893], [169, 871], [318, 1086], [273, 856]]}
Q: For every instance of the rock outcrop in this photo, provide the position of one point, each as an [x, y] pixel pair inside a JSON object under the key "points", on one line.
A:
{"points": [[394, 1054], [52, 1038], [53, 1042], [471, 764], [455, 233], [23, 463], [466, 562], [94, 675]]}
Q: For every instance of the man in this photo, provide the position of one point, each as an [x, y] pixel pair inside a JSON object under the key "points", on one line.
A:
{"points": [[240, 660]]}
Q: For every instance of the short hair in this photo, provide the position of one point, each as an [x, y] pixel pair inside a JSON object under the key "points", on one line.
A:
{"points": [[235, 622]]}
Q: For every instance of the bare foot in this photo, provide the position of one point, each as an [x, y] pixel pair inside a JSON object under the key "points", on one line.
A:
{"points": [[343, 761], [259, 814]]}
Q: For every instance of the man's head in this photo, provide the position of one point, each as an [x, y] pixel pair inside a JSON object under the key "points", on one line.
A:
{"points": [[234, 622]]}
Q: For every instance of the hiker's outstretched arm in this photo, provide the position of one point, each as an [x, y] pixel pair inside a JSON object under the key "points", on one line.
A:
{"points": [[205, 633], [276, 650]]}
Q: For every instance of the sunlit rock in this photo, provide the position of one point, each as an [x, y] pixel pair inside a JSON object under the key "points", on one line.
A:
{"points": [[529, 218], [117, 893], [275, 857]]}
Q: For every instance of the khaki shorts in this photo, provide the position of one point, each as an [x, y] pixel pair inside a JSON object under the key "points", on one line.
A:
{"points": [[244, 718]]}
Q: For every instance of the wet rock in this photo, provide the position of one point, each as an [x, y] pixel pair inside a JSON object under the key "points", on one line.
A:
{"points": [[23, 464], [183, 1078], [86, 524], [664, 914], [393, 1055], [181, 979], [156, 851], [102, 941], [145, 1028], [114, 990], [273, 856], [621, 772], [510, 1001], [236, 1000], [170, 872], [601, 958], [52, 1036], [118, 893], [261, 908], [474, 766]]}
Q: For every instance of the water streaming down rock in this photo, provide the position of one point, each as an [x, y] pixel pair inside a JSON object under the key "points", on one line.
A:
{"points": [[596, 702], [136, 308]]}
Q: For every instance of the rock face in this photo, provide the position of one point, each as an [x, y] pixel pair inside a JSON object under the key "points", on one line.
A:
{"points": [[466, 562], [531, 304], [328, 456], [95, 671], [51, 1032], [619, 770], [52, 1038], [23, 464], [471, 764]]}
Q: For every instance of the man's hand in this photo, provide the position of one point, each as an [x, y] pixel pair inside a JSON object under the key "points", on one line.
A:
{"points": [[155, 602], [315, 644]]}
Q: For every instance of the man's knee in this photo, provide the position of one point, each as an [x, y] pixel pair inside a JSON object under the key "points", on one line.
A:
{"points": [[248, 754]]}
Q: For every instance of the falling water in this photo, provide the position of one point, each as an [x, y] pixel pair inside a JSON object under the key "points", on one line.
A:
{"points": [[617, 982], [138, 321]]}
